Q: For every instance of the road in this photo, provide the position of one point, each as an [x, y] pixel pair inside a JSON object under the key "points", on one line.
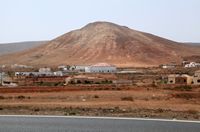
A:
{"points": [[94, 124]]}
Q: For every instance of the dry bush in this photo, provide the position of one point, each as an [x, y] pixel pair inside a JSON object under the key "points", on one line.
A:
{"points": [[2, 97], [21, 97], [194, 112], [96, 96], [127, 98]]}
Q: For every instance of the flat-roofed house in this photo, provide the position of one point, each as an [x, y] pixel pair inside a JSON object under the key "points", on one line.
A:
{"points": [[180, 79], [101, 68], [171, 79]]}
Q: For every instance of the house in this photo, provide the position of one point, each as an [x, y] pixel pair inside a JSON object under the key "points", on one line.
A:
{"points": [[82, 79], [180, 79], [8, 82], [101, 68], [45, 70], [196, 78], [168, 66], [185, 62], [184, 79], [171, 79], [61, 67], [26, 74], [80, 68], [64, 67], [192, 64], [58, 73], [16, 66]]}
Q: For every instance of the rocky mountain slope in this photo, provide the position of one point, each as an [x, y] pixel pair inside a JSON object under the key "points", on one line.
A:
{"points": [[104, 42]]}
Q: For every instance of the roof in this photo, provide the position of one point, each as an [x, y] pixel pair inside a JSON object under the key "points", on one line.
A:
{"points": [[102, 64], [172, 75], [178, 75], [185, 75], [84, 77]]}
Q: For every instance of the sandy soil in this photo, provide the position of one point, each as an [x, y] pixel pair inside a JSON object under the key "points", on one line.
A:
{"points": [[131, 102]]}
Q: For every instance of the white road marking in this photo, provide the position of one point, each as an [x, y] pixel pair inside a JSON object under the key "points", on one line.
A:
{"points": [[106, 118]]}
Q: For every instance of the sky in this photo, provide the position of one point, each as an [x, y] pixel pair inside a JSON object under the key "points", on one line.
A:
{"points": [[33, 20]]}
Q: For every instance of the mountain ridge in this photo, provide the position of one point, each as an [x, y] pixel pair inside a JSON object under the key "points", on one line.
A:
{"points": [[7, 48], [105, 42]]}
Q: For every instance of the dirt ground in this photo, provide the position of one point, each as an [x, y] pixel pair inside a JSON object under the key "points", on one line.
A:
{"points": [[124, 101]]}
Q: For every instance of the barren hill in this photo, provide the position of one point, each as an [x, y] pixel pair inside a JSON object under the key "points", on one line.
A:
{"points": [[19, 46], [104, 42]]}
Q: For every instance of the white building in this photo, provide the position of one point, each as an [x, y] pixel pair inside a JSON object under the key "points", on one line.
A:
{"points": [[168, 66], [192, 64], [45, 70], [58, 73], [101, 68], [80, 68], [21, 66], [26, 74]]}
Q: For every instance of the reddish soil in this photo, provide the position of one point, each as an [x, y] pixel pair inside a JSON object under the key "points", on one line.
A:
{"points": [[102, 101]]}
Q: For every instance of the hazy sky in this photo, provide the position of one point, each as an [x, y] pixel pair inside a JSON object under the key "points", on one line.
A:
{"points": [[25, 20]]}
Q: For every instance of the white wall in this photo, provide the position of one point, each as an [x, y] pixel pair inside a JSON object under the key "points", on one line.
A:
{"points": [[100, 69]]}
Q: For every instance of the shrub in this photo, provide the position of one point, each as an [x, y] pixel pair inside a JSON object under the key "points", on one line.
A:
{"points": [[106, 82], [159, 110], [2, 97], [183, 96], [59, 84], [96, 96], [184, 88], [87, 82], [36, 109], [194, 112], [78, 81], [128, 98], [21, 97], [71, 111]]}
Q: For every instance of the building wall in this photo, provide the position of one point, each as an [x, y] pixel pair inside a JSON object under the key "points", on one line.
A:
{"points": [[171, 80], [45, 70], [100, 69], [197, 74], [196, 80], [180, 80], [80, 68], [189, 80]]}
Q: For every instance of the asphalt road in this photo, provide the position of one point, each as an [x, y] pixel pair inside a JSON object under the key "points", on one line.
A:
{"points": [[86, 124]]}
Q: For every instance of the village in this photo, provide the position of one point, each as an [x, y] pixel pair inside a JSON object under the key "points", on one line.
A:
{"points": [[167, 91], [187, 73]]}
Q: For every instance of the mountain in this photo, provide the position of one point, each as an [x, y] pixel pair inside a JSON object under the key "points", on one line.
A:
{"points": [[7, 48], [197, 44], [104, 42]]}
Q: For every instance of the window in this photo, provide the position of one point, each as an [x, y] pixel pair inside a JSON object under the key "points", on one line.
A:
{"points": [[171, 81], [198, 81]]}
